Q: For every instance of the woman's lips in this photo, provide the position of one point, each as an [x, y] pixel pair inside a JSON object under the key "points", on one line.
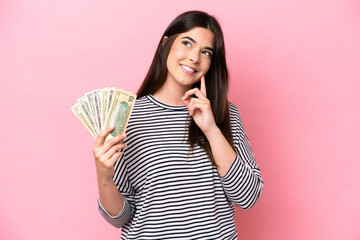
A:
{"points": [[187, 69]]}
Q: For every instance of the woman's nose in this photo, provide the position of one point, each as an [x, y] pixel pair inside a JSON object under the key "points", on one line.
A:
{"points": [[194, 56]]}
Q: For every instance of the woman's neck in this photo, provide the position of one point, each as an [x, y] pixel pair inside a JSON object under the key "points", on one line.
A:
{"points": [[170, 95]]}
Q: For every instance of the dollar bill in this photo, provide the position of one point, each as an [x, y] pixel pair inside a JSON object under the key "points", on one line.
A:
{"points": [[85, 106], [105, 107], [77, 110], [90, 98], [97, 105], [119, 112], [104, 103], [111, 93]]}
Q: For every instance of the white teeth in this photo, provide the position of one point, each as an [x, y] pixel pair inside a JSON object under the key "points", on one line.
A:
{"points": [[187, 68]]}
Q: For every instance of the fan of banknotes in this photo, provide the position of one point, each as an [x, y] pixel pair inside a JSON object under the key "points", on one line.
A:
{"points": [[105, 107]]}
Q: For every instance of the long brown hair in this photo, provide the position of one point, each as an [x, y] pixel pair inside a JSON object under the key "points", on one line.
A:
{"points": [[217, 79]]}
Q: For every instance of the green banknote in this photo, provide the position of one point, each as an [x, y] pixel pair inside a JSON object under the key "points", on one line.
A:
{"points": [[105, 107]]}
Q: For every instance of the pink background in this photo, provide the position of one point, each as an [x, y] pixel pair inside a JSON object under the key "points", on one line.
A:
{"points": [[295, 71]]}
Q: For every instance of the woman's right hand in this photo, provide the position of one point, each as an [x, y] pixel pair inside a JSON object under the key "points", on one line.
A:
{"points": [[106, 153]]}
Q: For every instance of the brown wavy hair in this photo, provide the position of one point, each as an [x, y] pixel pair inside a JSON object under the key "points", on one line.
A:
{"points": [[217, 79]]}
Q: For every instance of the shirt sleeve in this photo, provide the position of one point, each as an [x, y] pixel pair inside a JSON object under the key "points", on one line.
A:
{"points": [[242, 184], [121, 179]]}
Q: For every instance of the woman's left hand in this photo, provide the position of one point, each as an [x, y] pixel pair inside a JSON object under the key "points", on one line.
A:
{"points": [[200, 107]]}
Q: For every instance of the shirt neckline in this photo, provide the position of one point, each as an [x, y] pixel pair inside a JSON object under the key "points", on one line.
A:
{"points": [[164, 105]]}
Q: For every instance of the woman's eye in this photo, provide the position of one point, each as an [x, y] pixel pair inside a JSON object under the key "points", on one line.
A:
{"points": [[186, 43], [207, 53]]}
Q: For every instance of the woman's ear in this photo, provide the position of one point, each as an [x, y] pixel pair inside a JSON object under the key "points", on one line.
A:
{"points": [[163, 40]]}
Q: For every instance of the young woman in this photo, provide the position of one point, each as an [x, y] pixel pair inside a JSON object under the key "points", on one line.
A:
{"points": [[185, 160]]}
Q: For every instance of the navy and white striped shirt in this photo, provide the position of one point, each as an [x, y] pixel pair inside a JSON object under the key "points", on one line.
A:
{"points": [[172, 193]]}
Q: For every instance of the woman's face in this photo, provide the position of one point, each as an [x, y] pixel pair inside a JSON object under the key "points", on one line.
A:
{"points": [[190, 57]]}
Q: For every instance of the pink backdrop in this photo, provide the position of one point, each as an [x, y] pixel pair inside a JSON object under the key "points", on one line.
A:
{"points": [[295, 70]]}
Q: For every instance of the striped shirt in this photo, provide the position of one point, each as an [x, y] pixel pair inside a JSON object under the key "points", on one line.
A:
{"points": [[171, 192]]}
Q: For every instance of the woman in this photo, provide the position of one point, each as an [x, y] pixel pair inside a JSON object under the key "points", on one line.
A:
{"points": [[186, 160]]}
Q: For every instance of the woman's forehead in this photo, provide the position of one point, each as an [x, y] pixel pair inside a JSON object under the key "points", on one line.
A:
{"points": [[202, 36]]}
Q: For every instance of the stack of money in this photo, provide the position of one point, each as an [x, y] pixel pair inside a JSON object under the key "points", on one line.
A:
{"points": [[105, 107]]}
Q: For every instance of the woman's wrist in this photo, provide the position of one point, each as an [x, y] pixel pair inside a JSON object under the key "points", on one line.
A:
{"points": [[105, 181], [214, 132]]}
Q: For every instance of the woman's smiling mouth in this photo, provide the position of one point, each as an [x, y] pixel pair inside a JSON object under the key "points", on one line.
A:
{"points": [[187, 69]]}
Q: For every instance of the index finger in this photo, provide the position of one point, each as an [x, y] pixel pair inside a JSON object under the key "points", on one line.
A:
{"points": [[101, 137], [203, 86], [194, 91]]}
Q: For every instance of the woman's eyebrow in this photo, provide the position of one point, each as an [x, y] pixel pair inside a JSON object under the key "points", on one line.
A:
{"points": [[193, 40]]}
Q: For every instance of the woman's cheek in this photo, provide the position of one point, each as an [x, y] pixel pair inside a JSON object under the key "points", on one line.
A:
{"points": [[207, 65], [179, 53]]}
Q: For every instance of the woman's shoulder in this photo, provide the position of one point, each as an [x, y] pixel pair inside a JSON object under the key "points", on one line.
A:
{"points": [[235, 119], [142, 101], [233, 110]]}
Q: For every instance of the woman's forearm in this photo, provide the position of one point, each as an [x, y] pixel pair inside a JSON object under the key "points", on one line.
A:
{"points": [[110, 197], [222, 151]]}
